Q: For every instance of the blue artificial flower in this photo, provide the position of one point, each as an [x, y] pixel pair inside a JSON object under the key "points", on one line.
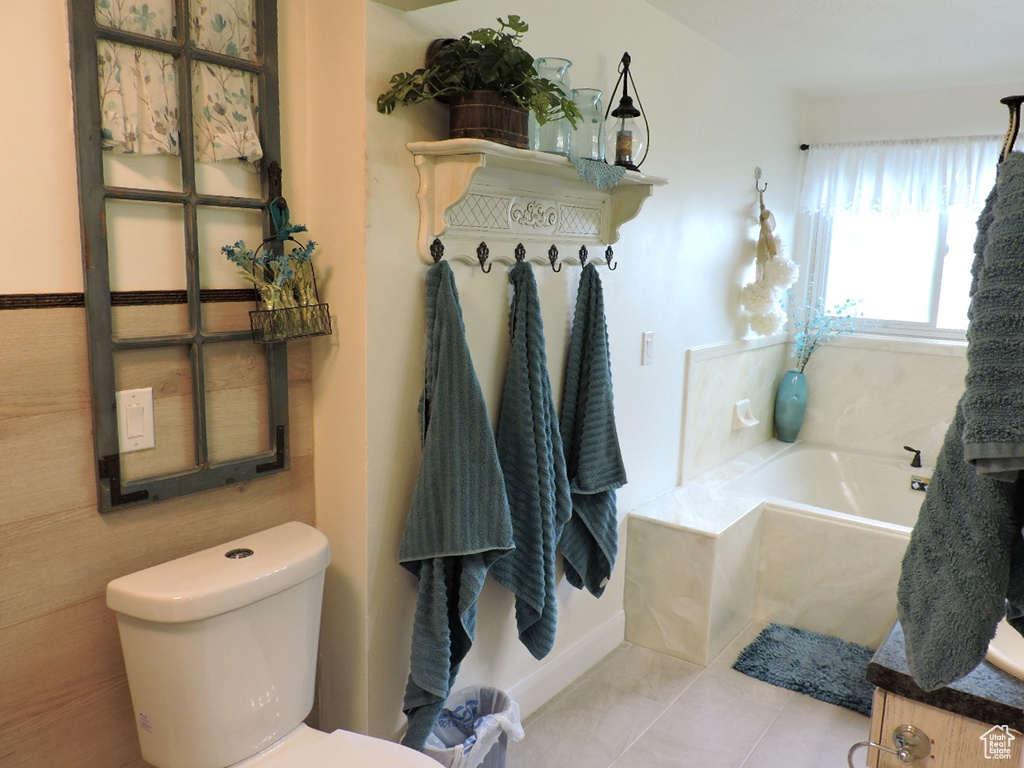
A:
{"points": [[819, 326]]}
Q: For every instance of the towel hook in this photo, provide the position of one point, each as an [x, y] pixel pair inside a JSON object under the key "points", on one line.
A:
{"points": [[1013, 103], [520, 252], [608, 255], [437, 250], [482, 252], [757, 180], [553, 257], [584, 255]]}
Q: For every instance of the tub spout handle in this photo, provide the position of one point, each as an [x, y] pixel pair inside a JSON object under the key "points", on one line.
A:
{"points": [[916, 461]]}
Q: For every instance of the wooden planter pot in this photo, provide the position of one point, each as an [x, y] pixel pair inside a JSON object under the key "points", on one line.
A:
{"points": [[488, 115]]}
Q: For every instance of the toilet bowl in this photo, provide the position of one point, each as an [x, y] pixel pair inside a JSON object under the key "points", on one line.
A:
{"points": [[220, 648], [306, 747]]}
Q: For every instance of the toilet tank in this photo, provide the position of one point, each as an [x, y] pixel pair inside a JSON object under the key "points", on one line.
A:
{"points": [[221, 646]]}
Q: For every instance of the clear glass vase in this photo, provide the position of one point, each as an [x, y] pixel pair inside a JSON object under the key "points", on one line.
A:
{"points": [[588, 137], [555, 135]]}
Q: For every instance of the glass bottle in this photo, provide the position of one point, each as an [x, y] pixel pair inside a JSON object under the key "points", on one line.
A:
{"points": [[588, 137], [554, 135]]}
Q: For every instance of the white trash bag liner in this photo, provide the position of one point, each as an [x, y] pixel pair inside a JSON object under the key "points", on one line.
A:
{"points": [[473, 729]]}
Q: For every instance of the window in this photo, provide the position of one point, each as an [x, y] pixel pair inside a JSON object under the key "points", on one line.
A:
{"points": [[177, 128], [893, 228]]}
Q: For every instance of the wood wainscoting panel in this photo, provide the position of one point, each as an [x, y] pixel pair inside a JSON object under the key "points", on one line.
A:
{"points": [[57, 560], [94, 731], [49, 465], [61, 656], [63, 695], [46, 362]]}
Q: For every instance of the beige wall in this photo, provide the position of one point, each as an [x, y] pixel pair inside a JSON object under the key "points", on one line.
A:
{"points": [[681, 264], [348, 176], [322, 47], [65, 697]]}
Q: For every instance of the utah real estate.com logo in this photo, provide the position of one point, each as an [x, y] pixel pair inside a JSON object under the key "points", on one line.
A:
{"points": [[997, 740]]}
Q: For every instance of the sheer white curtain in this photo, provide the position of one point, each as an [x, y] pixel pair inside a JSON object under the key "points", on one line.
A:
{"points": [[922, 175]]}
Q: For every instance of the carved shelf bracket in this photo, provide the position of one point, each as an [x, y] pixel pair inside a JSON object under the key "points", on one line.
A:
{"points": [[472, 190]]}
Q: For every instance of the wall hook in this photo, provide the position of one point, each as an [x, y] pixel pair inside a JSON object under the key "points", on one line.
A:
{"points": [[520, 252], [584, 255], [1014, 104], [757, 181], [608, 255], [437, 250], [553, 257], [482, 252]]}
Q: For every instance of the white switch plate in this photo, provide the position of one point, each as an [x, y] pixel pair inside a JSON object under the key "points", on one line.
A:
{"points": [[135, 420], [647, 348]]}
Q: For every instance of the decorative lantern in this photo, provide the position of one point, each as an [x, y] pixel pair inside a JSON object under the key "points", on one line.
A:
{"points": [[627, 136]]}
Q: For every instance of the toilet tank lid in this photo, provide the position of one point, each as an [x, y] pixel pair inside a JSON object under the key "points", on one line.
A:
{"points": [[222, 578]]}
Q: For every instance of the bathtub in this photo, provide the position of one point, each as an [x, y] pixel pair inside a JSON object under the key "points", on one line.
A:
{"points": [[802, 535], [851, 486]]}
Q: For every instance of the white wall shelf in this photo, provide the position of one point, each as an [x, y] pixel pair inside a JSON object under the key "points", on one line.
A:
{"points": [[472, 191], [411, 5]]}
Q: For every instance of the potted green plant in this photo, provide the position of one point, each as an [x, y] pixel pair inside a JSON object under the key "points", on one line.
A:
{"points": [[489, 83]]}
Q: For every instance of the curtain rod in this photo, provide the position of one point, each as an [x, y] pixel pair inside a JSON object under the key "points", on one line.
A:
{"points": [[983, 137]]}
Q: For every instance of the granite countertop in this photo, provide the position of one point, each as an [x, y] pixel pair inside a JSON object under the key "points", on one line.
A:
{"points": [[987, 694]]}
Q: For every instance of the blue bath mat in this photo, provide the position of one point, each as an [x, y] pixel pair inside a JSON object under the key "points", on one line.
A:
{"points": [[827, 668]]}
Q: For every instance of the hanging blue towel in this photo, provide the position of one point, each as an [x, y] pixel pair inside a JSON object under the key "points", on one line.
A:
{"points": [[964, 567], [530, 451], [993, 402], [589, 540], [458, 522]]}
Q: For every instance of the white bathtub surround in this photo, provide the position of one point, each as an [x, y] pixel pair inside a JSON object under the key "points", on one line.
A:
{"points": [[730, 547], [831, 576], [852, 485], [688, 593], [717, 377], [743, 416], [865, 393], [691, 563], [874, 393]]}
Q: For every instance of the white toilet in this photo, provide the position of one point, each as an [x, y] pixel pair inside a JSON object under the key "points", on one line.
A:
{"points": [[221, 649]]}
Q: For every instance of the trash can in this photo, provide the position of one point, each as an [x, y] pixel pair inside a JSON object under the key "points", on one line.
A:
{"points": [[474, 728]]}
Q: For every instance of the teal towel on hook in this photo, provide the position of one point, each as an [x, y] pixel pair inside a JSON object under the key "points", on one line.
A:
{"points": [[530, 452], [993, 402], [964, 566], [458, 523], [589, 541]]}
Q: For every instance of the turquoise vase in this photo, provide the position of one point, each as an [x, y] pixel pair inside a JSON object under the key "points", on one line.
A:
{"points": [[790, 406]]}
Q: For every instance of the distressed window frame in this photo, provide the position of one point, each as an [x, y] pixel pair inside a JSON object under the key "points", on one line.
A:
{"points": [[113, 492]]}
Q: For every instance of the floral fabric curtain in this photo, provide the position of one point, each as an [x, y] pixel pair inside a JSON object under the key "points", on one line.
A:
{"points": [[153, 19], [139, 88], [225, 26], [138, 100], [925, 176]]}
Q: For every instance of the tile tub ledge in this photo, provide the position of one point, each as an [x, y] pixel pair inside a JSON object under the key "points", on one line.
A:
{"points": [[703, 505], [704, 559], [692, 562]]}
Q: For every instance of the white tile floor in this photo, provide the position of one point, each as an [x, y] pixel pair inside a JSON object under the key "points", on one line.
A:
{"points": [[641, 709]]}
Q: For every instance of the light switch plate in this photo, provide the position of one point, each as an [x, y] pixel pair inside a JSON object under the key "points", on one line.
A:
{"points": [[647, 348], [135, 430]]}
